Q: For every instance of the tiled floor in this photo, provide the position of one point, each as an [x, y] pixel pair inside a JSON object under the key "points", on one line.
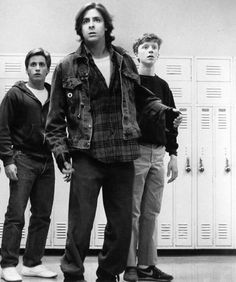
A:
{"points": [[184, 268]]}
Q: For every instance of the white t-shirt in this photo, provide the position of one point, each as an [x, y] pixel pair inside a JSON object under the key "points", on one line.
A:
{"points": [[41, 95], [104, 65]]}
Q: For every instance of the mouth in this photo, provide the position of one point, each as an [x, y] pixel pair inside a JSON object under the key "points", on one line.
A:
{"points": [[92, 33], [150, 57]]}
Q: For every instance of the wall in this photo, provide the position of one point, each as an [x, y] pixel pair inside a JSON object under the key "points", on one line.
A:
{"points": [[188, 27]]}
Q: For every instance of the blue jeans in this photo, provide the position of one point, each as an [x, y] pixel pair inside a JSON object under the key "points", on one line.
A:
{"points": [[116, 180], [35, 183]]}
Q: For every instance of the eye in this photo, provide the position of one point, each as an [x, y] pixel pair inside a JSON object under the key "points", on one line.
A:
{"points": [[42, 64], [85, 20], [98, 20]]}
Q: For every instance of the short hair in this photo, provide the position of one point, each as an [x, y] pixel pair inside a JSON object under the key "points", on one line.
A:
{"points": [[146, 37], [38, 52], [106, 17]]}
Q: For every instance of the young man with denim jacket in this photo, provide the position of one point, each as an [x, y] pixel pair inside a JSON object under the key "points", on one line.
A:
{"points": [[29, 166], [92, 119]]}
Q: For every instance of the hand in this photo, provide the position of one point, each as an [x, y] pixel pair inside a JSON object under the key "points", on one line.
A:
{"points": [[177, 121], [172, 169], [11, 172], [67, 170]]}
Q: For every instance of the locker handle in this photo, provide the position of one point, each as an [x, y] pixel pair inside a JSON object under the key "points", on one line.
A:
{"points": [[201, 167], [227, 167], [188, 167]]}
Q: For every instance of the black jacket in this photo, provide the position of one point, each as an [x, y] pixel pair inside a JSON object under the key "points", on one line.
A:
{"points": [[22, 123]]}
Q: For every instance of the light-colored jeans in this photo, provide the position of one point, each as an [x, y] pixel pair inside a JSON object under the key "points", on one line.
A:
{"points": [[147, 198]]}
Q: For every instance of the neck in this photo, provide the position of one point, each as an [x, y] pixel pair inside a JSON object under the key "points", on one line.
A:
{"points": [[98, 50], [36, 85], [146, 70]]}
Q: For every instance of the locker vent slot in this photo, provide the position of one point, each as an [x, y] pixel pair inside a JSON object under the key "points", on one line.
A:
{"points": [[223, 231], [12, 67], [205, 120], [173, 69], [214, 92], [1, 229], [222, 119], [61, 228], [183, 231], [100, 231], [165, 231], [184, 123], [177, 92], [23, 234], [206, 231], [213, 70]]}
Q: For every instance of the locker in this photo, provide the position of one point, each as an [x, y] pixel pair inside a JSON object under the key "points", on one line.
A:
{"points": [[213, 69], [213, 93], [183, 186], [205, 214], [179, 69], [223, 187], [60, 210], [175, 219]]}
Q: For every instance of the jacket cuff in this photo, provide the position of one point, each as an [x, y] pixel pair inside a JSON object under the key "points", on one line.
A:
{"points": [[61, 159], [7, 161]]}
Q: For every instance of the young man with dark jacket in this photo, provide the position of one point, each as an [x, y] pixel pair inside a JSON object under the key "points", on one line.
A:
{"points": [[149, 169], [92, 119], [29, 166]]}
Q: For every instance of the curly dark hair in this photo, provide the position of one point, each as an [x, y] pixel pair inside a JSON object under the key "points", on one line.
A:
{"points": [[106, 17]]}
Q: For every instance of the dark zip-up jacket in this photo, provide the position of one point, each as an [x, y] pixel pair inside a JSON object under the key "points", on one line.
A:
{"points": [[22, 124]]}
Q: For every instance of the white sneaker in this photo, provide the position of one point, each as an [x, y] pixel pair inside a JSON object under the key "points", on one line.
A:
{"points": [[38, 271], [10, 274]]}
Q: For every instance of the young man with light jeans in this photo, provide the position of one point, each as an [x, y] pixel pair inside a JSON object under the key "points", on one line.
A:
{"points": [[149, 170]]}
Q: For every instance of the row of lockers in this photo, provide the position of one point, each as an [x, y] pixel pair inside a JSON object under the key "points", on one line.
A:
{"points": [[193, 80], [199, 208]]}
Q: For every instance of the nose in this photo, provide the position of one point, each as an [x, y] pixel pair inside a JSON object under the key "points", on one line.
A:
{"points": [[91, 24]]}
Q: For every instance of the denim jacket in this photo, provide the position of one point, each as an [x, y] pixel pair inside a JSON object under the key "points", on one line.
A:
{"points": [[69, 123]]}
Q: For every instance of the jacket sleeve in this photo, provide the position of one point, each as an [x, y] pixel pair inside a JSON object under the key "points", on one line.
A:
{"points": [[56, 126], [7, 116], [171, 131]]}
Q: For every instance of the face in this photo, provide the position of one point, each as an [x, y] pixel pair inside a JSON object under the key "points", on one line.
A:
{"points": [[148, 53], [93, 26], [37, 69]]}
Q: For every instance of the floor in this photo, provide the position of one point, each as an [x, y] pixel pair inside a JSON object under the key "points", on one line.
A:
{"points": [[183, 268]]}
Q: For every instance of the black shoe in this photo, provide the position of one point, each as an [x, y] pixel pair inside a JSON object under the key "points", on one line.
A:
{"points": [[104, 276], [70, 278], [152, 273]]}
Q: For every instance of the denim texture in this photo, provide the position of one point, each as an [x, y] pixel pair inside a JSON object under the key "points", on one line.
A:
{"points": [[70, 106], [147, 199], [35, 183], [116, 181]]}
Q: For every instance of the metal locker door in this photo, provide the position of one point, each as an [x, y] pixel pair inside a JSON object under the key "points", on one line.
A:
{"points": [[165, 220], [60, 210], [222, 177], [205, 211], [183, 192]]}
